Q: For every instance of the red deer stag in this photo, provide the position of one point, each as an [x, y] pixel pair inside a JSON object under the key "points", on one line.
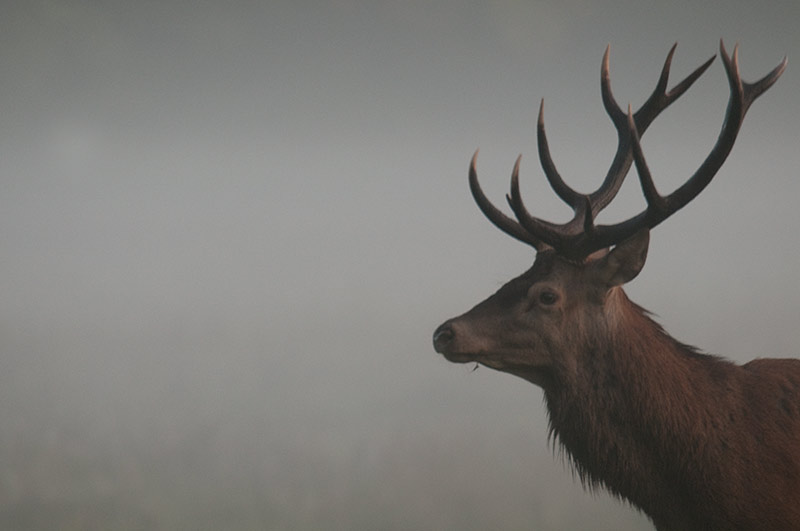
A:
{"points": [[694, 441]]}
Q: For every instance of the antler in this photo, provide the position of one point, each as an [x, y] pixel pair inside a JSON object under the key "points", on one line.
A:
{"points": [[579, 237]]}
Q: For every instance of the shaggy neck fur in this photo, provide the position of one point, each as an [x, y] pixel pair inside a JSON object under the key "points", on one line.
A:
{"points": [[641, 410]]}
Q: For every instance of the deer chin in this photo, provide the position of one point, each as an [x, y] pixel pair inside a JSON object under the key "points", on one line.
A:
{"points": [[462, 357], [495, 364], [505, 365], [493, 361]]}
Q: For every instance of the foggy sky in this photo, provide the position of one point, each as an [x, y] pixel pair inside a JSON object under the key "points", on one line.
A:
{"points": [[229, 231]]}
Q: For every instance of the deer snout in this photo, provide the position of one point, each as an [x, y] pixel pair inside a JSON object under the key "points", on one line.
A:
{"points": [[443, 337]]}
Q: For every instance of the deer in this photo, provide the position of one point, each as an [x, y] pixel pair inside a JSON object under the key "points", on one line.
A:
{"points": [[692, 440]]}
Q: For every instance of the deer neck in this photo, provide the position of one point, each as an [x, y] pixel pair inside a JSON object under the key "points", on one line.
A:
{"points": [[618, 415]]}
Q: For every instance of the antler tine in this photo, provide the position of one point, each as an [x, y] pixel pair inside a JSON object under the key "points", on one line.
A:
{"points": [[561, 188], [658, 100], [500, 220], [660, 208], [654, 201], [749, 91], [603, 195], [547, 232]]}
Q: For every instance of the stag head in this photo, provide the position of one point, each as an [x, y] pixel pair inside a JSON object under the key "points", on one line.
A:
{"points": [[538, 325]]}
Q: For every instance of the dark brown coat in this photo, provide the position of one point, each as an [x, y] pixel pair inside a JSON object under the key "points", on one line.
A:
{"points": [[694, 441]]}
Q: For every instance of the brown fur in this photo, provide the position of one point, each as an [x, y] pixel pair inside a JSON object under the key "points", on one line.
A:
{"points": [[693, 440]]}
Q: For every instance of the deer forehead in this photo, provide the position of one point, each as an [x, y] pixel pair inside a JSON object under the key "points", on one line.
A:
{"points": [[553, 268]]}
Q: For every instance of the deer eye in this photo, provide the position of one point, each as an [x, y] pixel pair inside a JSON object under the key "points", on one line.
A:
{"points": [[548, 298]]}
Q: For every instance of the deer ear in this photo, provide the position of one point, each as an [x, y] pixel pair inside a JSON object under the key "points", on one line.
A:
{"points": [[624, 262]]}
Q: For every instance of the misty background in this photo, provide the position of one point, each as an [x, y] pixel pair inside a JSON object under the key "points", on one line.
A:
{"points": [[228, 231]]}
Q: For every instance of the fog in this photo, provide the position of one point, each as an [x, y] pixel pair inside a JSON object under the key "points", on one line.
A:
{"points": [[230, 229]]}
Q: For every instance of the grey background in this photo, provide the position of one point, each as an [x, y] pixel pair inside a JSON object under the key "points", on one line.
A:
{"points": [[229, 230]]}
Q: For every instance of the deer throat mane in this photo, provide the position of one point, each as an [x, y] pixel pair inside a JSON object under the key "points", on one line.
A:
{"points": [[609, 417]]}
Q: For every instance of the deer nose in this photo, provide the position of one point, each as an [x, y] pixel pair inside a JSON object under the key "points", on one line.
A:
{"points": [[442, 337]]}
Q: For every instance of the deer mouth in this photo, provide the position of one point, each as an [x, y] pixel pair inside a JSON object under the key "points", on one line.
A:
{"points": [[461, 357]]}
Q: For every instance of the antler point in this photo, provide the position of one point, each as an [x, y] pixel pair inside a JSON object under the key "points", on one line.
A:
{"points": [[671, 53], [604, 65], [515, 173]]}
